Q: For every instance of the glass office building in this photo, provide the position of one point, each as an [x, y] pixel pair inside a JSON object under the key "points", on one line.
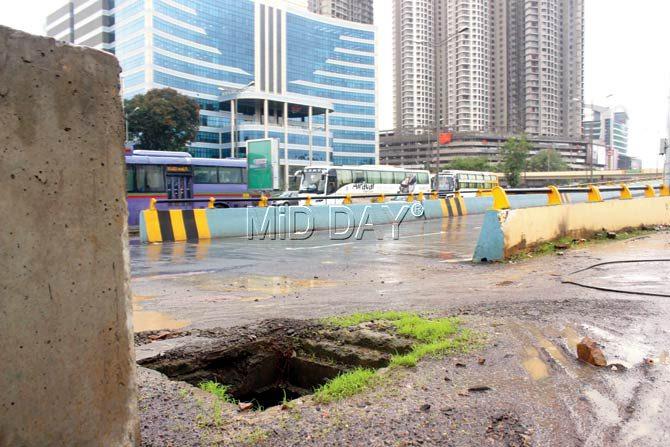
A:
{"points": [[258, 68]]}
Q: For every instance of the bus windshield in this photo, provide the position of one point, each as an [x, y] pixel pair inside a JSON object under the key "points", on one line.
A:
{"points": [[446, 182], [313, 182]]}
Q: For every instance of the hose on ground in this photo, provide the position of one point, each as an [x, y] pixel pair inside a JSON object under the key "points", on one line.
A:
{"points": [[607, 289]]}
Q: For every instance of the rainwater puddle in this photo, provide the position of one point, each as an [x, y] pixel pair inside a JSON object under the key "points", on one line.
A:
{"points": [[534, 365], [265, 286], [144, 320], [606, 409]]}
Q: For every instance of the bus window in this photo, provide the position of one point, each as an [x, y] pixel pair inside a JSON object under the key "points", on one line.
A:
{"points": [[423, 178], [130, 178], [205, 175], [231, 175], [331, 184], [343, 178], [387, 177], [398, 177], [359, 176], [149, 178], [373, 177]]}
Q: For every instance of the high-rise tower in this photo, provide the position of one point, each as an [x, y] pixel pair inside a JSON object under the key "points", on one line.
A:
{"points": [[353, 10]]}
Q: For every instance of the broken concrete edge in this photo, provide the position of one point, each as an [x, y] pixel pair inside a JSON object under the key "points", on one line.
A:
{"points": [[64, 230], [508, 232]]}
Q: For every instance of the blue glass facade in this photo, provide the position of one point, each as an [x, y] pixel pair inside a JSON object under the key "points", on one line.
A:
{"points": [[324, 80]]}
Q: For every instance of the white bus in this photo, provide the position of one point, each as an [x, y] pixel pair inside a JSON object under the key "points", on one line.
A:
{"points": [[324, 181], [465, 182]]}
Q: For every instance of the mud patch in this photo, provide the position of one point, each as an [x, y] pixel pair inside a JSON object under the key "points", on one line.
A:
{"points": [[275, 361], [144, 320]]}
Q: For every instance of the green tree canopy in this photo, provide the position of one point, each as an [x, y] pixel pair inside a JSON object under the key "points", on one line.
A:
{"points": [[163, 119], [471, 164], [514, 156], [547, 160]]}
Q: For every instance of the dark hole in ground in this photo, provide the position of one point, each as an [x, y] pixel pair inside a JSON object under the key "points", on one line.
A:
{"points": [[267, 366]]}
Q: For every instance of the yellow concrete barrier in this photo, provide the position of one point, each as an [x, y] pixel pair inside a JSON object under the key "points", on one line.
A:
{"points": [[625, 192], [527, 227], [500, 200], [553, 196], [594, 194], [176, 225], [649, 191]]}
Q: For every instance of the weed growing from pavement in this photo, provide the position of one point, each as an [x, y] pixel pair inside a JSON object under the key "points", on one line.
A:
{"points": [[217, 389], [434, 337], [547, 248], [254, 437], [346, 385], [463, 342]]}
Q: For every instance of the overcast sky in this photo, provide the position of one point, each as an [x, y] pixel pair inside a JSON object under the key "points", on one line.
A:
{"points": [[627, 55]]}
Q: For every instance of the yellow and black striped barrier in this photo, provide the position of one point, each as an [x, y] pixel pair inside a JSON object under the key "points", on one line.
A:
{"points": [[176, 225], [453, 206]]}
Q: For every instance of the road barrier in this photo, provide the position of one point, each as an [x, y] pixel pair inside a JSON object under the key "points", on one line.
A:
{"points": [[176, 225], [506, 231]]}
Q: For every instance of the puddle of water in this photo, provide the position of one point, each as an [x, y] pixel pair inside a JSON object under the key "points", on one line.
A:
{"points": [[605, 408], [535, 366], [571, 337], [259, 284], [144, 320]]}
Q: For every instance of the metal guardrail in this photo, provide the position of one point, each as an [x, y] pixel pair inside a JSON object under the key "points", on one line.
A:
{"points": [[499, 194], [501, 201], [263, 201]]}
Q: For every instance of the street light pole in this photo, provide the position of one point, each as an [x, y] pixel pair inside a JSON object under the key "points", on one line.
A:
{"points": [[436, 45]]}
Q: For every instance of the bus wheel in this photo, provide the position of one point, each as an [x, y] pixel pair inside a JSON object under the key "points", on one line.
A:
{"points": [[221, 205]]}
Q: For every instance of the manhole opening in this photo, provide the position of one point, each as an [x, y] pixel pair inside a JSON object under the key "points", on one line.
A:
{"points": [[270, 370]]}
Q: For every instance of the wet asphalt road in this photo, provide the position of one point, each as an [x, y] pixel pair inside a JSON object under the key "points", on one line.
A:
{"points": [[445, 240], [533, 321]]}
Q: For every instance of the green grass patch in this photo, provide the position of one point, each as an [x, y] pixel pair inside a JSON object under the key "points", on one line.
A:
{"points": [[406, 323], [547, 248], [433, 338], [461, 343], [217, 389], [346, 385], [362, 317]]}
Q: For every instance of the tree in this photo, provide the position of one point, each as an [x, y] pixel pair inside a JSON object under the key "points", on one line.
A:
{"points": [[547, 160], [163, 119], [471, 164], [514, 156]]}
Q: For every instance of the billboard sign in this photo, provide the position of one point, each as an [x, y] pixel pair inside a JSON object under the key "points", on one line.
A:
{"points": [[263, 164]]}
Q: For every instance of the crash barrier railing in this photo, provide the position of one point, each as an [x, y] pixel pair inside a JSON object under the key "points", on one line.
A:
{"points": [[501, 201], [615, 182], [264, 200]]}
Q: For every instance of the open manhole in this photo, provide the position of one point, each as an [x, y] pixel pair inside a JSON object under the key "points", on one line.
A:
{"points": [[277, 360]]}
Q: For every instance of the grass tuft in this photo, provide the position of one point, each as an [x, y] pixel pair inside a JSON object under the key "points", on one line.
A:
{"points": [[462, 343], [362, 317], [217, 389], [346, 385], [439, 336]]}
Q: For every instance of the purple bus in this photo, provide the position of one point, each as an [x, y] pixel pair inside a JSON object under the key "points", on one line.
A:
{"points": [[177, 175]]}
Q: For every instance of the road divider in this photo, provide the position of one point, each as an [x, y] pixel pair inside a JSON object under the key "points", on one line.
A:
{"points": [[506, 231], [298, 222]]}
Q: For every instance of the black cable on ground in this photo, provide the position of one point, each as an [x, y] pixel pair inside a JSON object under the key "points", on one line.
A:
{"points": [[606, 289]]}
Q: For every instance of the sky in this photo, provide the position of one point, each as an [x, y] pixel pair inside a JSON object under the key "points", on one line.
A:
{"points": [[627, 56]]}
